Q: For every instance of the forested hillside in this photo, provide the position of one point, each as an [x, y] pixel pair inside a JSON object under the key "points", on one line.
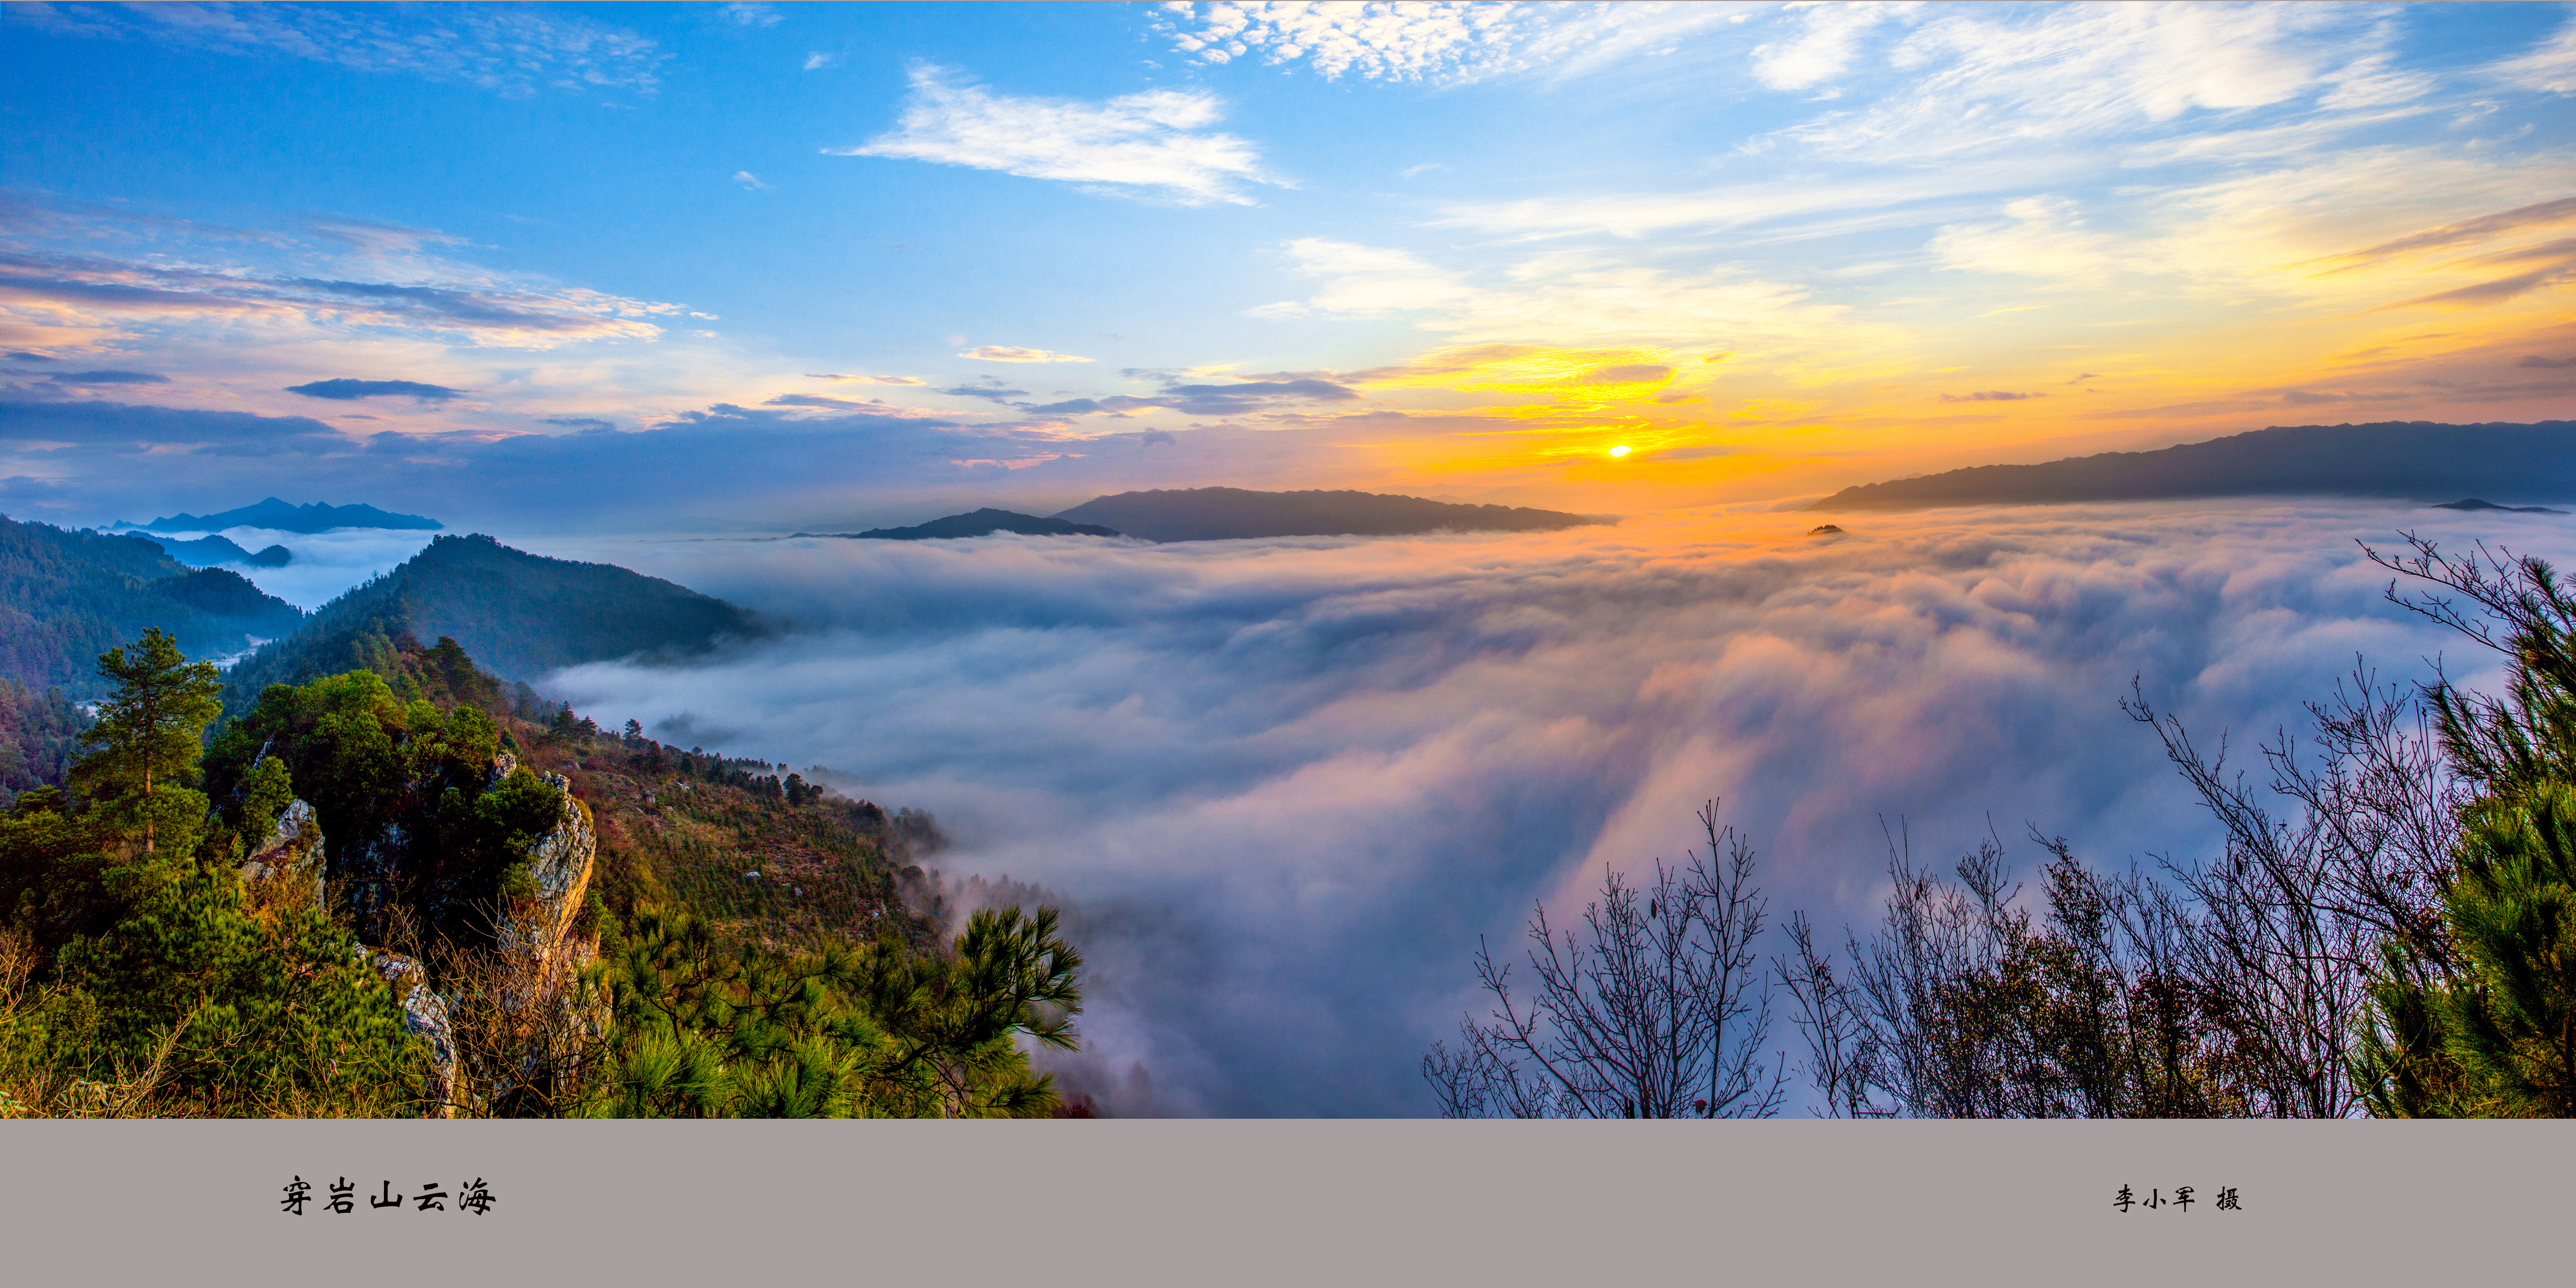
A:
{"points": [[208, 552], [408, 890], [1228, 513], [68, 595], [519, 614], [976, 523], [37, 732], [2414, 459]]}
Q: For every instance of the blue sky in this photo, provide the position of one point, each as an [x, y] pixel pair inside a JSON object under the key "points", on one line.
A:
{"points": [[749, 266]]}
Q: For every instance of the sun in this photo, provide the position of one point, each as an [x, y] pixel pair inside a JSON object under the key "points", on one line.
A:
{"points": [[1621, 450]]}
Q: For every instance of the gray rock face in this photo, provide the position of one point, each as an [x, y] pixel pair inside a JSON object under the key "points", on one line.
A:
{"points": [[401, 973], [541, 958], [425, 1017], [425, 1014], [292, 852], [559, 863], [293, 845]]}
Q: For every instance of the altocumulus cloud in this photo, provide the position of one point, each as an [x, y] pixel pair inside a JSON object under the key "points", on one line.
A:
{"points": [[1291, 783], [517, 52]]}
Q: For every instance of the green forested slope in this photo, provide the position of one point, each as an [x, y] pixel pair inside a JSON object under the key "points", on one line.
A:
{"points": [[519, 614], [68, 595]]}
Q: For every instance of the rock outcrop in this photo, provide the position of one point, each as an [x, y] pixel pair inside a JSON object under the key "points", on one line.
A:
{"points": [[293, 850], [425, 1017], [539, 958], [536, 927]]}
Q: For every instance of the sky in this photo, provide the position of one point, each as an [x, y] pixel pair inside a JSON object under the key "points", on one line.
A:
{"points": [[745, 267]]}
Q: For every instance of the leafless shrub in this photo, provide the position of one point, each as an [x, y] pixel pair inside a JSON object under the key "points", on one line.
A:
{"points": [[527, 1028], [1658, 1009], [2286, 921]]}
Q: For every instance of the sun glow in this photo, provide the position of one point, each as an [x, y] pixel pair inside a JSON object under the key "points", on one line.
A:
{"points": [[1619, 451]]}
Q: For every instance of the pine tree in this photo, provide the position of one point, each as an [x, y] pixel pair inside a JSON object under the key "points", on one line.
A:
{"points": [[180, 983], [258, 1011], [706, 1030], [2481, 1021], [149, 737]]}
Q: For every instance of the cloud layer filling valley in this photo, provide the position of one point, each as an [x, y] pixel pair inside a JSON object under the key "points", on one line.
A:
{"points": [[1291, 783]]}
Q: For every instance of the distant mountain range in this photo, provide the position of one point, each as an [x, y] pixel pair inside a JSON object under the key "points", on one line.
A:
{"points": [[279, 516], [1232, 513], [2473, 503], [2418, 460], [207, 552], [1228, 513], [67, 596], [519, 615], [976, 523]]}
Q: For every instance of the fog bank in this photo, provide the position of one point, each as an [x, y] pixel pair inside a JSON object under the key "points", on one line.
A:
{"points": [[1290, 783]]}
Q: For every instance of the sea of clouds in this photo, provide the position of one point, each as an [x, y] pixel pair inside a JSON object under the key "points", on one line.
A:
{"points": [[1287, 785], [321, 565]]}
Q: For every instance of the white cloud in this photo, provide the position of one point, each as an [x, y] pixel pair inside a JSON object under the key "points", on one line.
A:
{"points": [[2549, 68], [1827, 45], [1013, 353], [1976, 78], [1565, 298], [818, 60], [752, 15], [1154, 143], [1300, 778], [2308, 137], [2042, 237], [2370, 82], [512, 49], [866, 380], [1735, 205], [384, 241], [2264, 231], [432, 298], [747, 179], [1980, 100], [1441, 41], [1365, 282]]}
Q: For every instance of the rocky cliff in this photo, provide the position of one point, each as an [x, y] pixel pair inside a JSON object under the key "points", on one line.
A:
{"points": [[293, 850], [537, 958], [536, 927], [292, 857]]}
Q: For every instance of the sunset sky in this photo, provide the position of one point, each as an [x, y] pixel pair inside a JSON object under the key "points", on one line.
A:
{"points": [[747, 266]]}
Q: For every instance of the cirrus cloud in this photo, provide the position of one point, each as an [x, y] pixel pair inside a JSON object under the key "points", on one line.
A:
{"points": [[1153, 144], [1004, 353], [483, 312]]}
